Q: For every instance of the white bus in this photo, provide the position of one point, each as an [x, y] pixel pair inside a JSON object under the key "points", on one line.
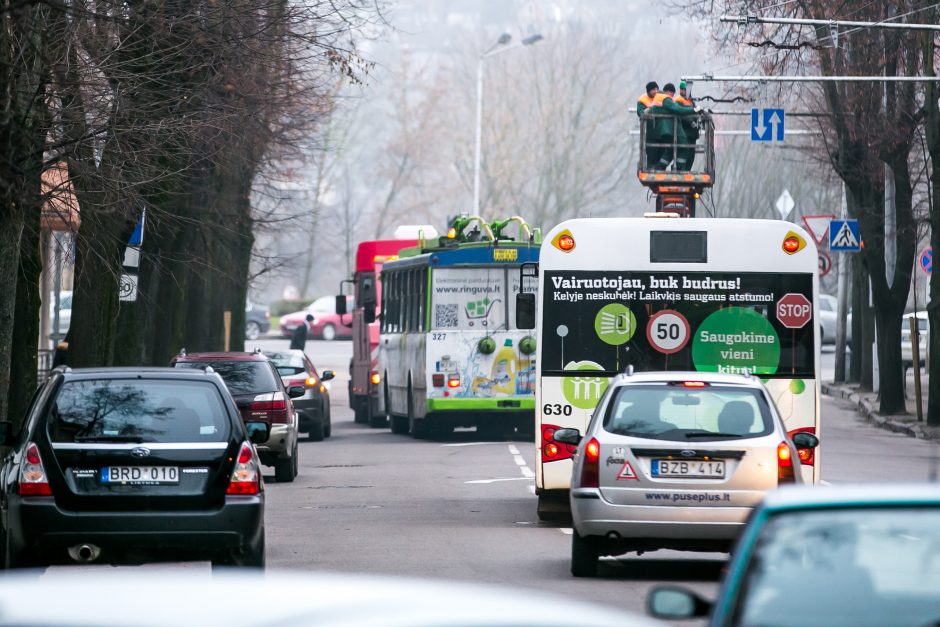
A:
{"points": [[661, 293]]}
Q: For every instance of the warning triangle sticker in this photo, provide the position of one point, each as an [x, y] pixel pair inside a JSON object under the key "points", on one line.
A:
{"points": [[627, 472]]}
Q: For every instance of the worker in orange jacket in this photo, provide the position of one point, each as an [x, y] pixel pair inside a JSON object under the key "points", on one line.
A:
{"points": [[648, 100], [689, 128]]}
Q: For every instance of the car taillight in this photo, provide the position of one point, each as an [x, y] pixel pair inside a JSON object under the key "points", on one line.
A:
{"points": [[553, 451], [246, 476], [33, 481], [784, 464], [269, 401], [591, 467], [311, 382], [807, 455]]}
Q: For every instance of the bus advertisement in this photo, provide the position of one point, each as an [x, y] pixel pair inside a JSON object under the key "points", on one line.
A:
{"points": [[366, 283], [449, 353], [658, 293]]}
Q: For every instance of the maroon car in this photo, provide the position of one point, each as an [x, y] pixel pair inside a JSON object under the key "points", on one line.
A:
{"points": [[259, 394]]}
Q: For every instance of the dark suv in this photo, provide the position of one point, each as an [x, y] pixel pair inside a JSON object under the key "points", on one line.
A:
{"points": [[260, 395], [130, 465]]}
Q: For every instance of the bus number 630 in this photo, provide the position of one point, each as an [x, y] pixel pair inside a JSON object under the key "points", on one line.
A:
{"points": [[556, 409]]}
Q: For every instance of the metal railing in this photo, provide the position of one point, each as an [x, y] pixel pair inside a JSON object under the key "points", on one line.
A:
{"points": [[705, 144]]}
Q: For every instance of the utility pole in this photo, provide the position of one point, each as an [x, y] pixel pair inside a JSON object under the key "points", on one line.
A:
{"points": [[744, 20]]}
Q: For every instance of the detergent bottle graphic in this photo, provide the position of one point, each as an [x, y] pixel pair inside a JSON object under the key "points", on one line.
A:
{"points": [[504, 369]]}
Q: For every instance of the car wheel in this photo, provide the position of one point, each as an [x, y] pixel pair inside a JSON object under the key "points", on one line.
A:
{"points": [[285, 468], [328, 333], [584, 555], [316, 433], [252, 330], [252, 558], [327, 421]]}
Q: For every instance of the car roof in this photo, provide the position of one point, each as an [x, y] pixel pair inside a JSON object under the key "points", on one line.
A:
{"points": [[811, 497], [137, 598], [131, 372], [681, 375], [221, 356]]}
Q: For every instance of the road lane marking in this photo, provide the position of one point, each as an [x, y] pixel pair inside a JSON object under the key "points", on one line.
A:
{"points": [[519, 460], [495, 480], [527, 473], [513, 449], [468, 443], [566, 530]]}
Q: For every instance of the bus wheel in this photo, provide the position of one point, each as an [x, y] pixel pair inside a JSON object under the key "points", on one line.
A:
{"points": [[553, 507], [417, 426], [375, 419], [584, 555]]}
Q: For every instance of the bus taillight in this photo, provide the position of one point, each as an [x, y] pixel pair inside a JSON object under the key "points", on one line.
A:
{"points": [[807, 455], [553, 451], [375, 378]]}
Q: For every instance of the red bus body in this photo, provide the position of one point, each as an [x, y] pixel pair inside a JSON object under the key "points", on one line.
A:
{"points": [[363, 394]]}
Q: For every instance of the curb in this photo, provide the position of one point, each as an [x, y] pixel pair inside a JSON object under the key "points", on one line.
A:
{"points": [[865, 407]]}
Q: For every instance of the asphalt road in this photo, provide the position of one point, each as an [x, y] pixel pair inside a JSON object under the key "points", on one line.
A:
{"points": [[368, 501], [459, 508]]}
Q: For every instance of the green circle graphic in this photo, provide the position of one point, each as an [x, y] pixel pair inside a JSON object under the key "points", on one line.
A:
{"points": [[797, 386], [583, 392], [615, 324], [735, 339]]}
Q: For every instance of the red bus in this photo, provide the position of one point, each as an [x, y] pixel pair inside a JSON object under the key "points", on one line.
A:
{"points": [[364, 380]]}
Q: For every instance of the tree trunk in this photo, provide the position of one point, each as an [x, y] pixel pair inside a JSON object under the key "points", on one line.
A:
{"points": [[25, 351]]}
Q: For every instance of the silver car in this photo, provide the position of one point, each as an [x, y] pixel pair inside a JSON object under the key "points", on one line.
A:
{"points": [[675, 461]]}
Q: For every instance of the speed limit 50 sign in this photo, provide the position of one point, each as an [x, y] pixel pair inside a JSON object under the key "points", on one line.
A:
{"points": [[668, 331]]}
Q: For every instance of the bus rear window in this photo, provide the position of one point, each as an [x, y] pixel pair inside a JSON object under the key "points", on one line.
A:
{"points": [[678, 247]]}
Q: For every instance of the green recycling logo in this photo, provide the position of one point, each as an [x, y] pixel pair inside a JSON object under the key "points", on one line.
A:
{"points": [[615, 324], [583, 392]]}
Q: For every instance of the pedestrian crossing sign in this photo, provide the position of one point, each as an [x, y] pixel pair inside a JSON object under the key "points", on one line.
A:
{"points": [[844, 236]]}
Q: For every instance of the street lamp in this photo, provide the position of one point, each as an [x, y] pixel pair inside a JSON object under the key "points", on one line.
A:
{"points": [[492, 51]]}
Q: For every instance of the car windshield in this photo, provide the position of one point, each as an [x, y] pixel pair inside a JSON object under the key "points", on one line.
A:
{"points": [[139, 410], [862, 566], [241, 377], [676, 412], [287, 363]]}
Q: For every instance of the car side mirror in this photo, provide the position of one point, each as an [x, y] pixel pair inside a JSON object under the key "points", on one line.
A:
{"points": [[296, 391], [805, 440], [567, 436], [670, 603], [341, 304], [258, 432], [326, 375], [525, 310]]}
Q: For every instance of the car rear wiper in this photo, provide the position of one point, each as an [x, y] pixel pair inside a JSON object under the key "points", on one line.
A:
{"points": [[134, 439], [712, 434]]}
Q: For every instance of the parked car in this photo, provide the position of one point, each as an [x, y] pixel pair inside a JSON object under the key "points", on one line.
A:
{"points": [[257, 320], [675, 460], [327, 324], [907, 347], [128, 464], [828, 315], [260, 395], [257, 317], [313, 408], [835, 555], [188, 598]]}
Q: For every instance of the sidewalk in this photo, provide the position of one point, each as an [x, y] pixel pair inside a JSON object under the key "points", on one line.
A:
{"points": [[866, 404]]}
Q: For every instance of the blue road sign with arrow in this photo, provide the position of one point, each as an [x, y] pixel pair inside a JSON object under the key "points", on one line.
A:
{"points": [[768, 125], [844, 236]]}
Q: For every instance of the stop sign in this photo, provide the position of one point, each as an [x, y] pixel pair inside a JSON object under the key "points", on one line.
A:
{"points": [[794, 311]]}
